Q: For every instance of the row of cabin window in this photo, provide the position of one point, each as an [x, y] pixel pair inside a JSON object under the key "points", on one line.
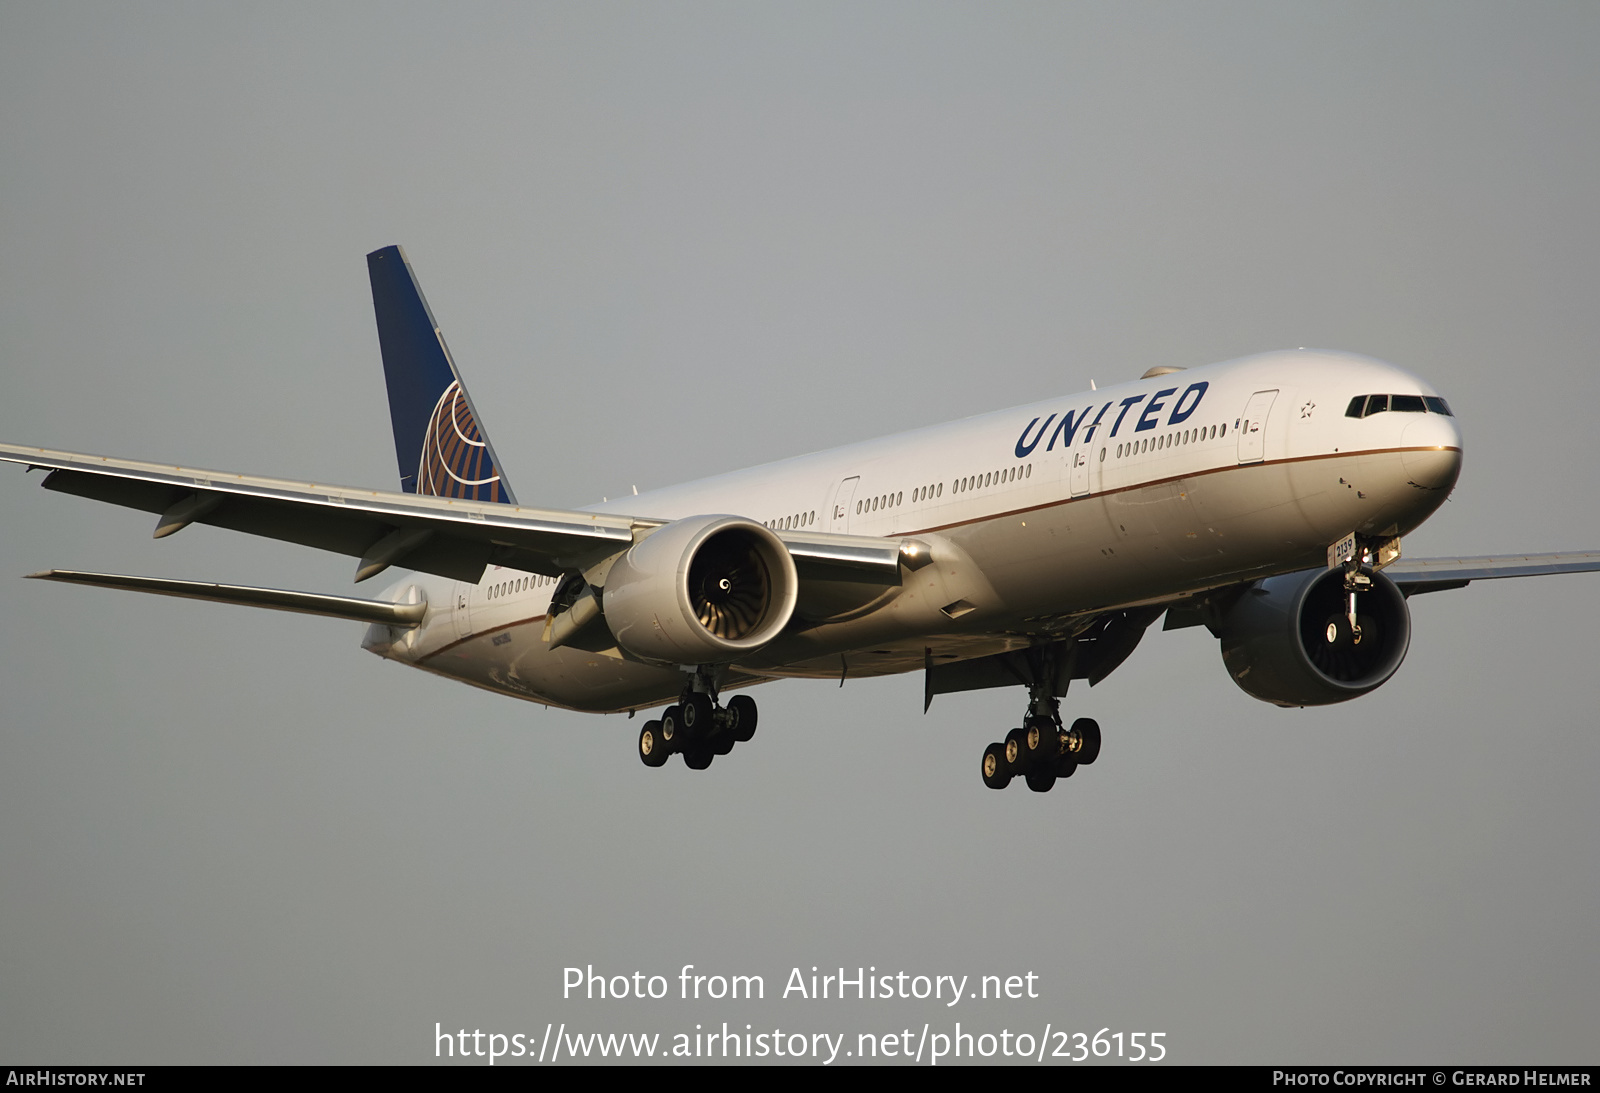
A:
{"points": [[521, 584], [798, 520], [935, 491], [1367, 405], [991, 478], [1167, 440]]}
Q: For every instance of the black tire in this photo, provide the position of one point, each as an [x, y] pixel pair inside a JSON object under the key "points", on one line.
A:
{"points": [[722, 743], [742, 708], [653, 750], [698, 757], [996, 771], [1042, 742], [1087, 730], [1042, 781], [1066, 766], [697, 713]]}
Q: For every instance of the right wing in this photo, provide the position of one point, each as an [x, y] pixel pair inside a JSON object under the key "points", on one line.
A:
{"points": [[451, 537]]}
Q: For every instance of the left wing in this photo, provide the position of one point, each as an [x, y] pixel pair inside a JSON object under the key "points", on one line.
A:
{"points": [[1418, 575]]}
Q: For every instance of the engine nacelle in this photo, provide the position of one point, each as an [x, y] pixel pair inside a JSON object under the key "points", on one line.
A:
{"points": [[1287, 640], [703, 590]]}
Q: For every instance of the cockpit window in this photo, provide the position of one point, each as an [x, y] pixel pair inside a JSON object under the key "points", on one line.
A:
{"points": [[1367, 405]]}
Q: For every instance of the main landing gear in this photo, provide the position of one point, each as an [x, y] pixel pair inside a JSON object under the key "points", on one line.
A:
{"points": [[1041, 751], [698, 728]]}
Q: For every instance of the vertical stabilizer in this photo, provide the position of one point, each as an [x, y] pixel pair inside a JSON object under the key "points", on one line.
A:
{"points": [[439, 439]]}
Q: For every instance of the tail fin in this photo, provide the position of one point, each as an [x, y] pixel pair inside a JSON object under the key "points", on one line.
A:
{"points": [[439, 440]]}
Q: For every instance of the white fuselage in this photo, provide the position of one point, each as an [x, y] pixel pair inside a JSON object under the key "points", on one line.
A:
{"points": [[1039, 518]]}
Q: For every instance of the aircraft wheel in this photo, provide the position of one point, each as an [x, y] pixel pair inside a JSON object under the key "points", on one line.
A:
{"points": [[1016, 750], [652, 749], [672, 734], [1338, 633], [697, 712], [1087, 730], [721, 744], [1066, 766], [996, 771], [698, 757], [1042, 782], [742, 708]]}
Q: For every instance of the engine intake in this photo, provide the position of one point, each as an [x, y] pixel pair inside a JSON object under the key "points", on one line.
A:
{"points": [[703, 590], [1287, 640]]}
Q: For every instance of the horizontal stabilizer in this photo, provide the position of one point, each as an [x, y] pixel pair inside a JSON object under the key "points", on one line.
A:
{"points": [[277, 599]]}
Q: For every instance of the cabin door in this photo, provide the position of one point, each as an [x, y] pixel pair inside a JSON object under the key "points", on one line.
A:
{"points": [[1253, 427], [842, 500]]}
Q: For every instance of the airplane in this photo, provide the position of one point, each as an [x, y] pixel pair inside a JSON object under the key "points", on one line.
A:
{"points": [[1263, 498]]}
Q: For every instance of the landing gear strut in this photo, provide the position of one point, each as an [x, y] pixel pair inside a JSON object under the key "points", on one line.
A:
{"points": [[1360, 555], [698, 727], [1042, 750]]}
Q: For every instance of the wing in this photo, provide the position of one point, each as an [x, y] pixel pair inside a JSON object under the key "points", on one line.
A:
{"points": [[1418, 575], [276, 599], [451, 537]]}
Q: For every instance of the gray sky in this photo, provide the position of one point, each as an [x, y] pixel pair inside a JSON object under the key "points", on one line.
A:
{"points": [[666, 241]]}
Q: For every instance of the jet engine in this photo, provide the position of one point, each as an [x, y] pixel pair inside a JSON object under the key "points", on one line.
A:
{"points": [[703, 590], [1288, 640]]}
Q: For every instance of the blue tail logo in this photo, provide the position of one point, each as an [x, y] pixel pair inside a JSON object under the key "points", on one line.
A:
{"points": [[439, 440], [455, 457]]}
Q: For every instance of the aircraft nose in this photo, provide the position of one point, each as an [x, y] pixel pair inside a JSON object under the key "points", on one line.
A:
{"points": [[1432, 452]]}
